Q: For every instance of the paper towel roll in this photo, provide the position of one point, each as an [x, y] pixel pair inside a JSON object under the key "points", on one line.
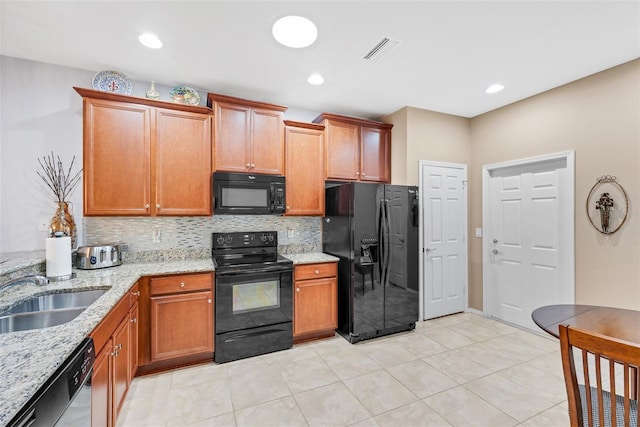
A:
{"points": [[58, 256]]}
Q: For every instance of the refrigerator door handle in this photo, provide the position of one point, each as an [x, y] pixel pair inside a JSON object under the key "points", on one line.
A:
{"points": [[381, 224], [387, 241]]}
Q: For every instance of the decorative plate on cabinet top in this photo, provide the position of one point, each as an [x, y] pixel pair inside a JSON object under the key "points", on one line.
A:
{"points": [[184, 95], [112, 81]]}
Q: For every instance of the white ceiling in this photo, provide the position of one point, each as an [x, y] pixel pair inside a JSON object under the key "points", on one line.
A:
{"points": [[449, 51]]}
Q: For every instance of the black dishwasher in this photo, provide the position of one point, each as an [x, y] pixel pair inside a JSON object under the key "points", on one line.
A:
{"points": [[65, 398]]}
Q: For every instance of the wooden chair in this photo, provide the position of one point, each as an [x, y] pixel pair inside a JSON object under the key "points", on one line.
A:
{"points": [[592, 405]]}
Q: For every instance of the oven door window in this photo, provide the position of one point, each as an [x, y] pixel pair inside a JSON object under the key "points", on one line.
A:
{"points": [[256, 296]]}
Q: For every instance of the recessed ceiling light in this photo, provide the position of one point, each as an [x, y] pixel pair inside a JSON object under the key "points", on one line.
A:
{"points": [[150, 40], [315, 79], [295, 31], [494, 88]]}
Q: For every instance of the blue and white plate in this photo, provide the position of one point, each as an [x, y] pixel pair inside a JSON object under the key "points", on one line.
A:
{"points": [[112, 81], [184, 95]]}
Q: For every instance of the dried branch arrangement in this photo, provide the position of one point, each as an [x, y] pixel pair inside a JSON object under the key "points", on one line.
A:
{"points": [[53, 174]]}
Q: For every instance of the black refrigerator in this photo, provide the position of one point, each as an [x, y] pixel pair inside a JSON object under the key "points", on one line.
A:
{"points": [[373, 230]]}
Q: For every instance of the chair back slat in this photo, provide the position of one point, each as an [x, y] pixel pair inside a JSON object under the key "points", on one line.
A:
{"points": [[599, 401]]}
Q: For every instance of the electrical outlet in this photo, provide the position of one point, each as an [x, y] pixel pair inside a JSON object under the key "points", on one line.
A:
{"points": [[156, 235], [43, 224], [290, 233], [478, 232]]}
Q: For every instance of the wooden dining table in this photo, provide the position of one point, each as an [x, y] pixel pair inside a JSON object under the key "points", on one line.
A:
{"points": [[613, 322]]}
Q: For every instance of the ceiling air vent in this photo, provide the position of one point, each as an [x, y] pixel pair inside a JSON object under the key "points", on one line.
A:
{"points": [[380, 50]]}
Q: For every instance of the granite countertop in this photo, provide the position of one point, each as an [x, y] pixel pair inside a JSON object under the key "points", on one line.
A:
{"points": [[311, 258], [29, 358]]}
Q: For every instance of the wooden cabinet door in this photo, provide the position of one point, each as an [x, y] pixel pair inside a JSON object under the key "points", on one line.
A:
{"points": [[134, 328], [342, 150], [375, 154], [100, 389], [267, 142], [121, 364], [232, 151], [182, 163], [181, 325], [315, 305], [116, 158], [304, 150]]}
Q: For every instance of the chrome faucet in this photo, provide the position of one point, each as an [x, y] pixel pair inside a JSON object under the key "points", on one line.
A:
{"points": [[31, 278]]}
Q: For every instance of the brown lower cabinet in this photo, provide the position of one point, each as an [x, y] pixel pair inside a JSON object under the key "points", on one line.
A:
{"points": [[115, 341], [315, 304], [176, 326]]}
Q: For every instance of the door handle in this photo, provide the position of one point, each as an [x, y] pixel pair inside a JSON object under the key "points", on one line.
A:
{"points": [[430, 249], [496, 252]]}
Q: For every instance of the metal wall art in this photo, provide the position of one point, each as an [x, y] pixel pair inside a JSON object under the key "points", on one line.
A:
{"points": [[607, 205]]}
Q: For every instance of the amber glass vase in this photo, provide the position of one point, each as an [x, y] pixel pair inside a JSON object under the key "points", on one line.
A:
{"points": [[63, 222]]}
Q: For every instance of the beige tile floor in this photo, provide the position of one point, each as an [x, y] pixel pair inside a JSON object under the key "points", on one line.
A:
{"points": [[459, 370]]}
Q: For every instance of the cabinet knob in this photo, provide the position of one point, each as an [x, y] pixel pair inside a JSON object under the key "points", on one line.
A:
{"points": [[253, 165], [297, 289], [317, 271], [134, 320], [158, 206], [114, 353], [209, 301], [182, 284], [248, 165], [136, 294], [146, 205], [119, 347], [357, 173]]}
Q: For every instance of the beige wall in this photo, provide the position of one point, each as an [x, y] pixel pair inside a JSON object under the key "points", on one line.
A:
{"points": [[598, 117], [426, 135]]}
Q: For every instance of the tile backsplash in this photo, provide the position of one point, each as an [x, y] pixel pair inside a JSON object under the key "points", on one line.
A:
{"points": [[193, 234]]}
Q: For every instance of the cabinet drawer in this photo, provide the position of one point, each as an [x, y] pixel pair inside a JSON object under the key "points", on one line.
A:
{"points": [[314, 271], [183, 283]]}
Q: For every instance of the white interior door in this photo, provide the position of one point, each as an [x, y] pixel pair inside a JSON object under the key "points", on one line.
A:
{"points": [[528, 255], [443, 190]]}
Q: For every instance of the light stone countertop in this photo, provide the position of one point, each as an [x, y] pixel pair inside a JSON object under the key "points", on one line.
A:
{"points": [[311, 258], [29, 358]]}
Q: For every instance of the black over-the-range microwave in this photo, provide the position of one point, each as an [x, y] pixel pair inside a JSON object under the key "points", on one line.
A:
{"points": [[248, 194]]}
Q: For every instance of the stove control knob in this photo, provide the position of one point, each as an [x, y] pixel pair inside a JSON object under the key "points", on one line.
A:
{"points": [[220, 240], [271, 237], [263, 237]]}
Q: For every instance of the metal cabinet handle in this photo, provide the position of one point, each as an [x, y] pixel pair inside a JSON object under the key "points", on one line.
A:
{"points": [[136, 294], [182, 284], [114, 353], [134, 320], [119, 347]]}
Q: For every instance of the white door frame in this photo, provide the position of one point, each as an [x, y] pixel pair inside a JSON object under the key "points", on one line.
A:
{"points": [[421, 292], [567, 190]]}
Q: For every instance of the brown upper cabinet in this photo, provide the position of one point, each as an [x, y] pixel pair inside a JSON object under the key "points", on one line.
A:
{"points": [[248, 136], [144, 157], [356, 149], [304, 153]]}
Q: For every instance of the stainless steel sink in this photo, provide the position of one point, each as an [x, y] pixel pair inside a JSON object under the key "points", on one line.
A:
{"points": [[37, 320], [55, 301]]}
